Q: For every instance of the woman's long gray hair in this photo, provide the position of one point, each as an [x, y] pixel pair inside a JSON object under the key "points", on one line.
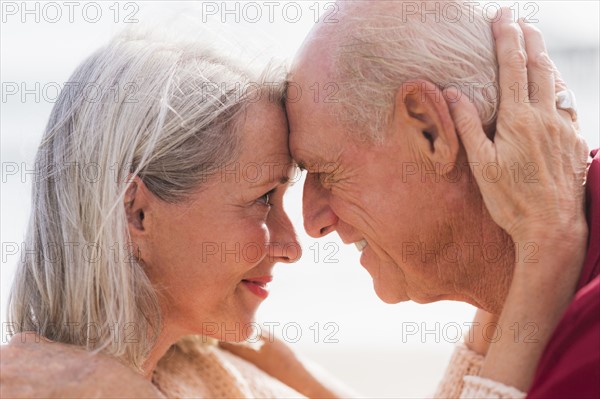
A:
{"points": [[164, 111]]}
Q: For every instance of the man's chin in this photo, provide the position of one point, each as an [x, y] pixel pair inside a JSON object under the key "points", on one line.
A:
{"points": [[389, 290], [390, 295]]}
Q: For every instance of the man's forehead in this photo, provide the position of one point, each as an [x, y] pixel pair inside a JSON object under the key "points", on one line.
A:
{"points": [[315, 59], [311, 100], [310, 120], [315, 144]]}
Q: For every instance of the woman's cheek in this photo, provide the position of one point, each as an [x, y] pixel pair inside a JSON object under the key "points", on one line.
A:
{"points": [[252, 235]]}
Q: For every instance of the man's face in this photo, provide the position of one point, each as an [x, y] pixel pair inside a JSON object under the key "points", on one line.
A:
{"points": [[377, 193]]}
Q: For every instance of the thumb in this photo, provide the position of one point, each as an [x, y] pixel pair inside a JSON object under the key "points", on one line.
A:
{"points": [[466, 119]]}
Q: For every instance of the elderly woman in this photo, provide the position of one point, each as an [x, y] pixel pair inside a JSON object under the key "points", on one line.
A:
{"points": [[168, 238], [169, 245]]}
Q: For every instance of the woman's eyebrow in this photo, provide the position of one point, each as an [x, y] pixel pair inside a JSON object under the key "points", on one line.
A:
{"points": [[282, 180]]}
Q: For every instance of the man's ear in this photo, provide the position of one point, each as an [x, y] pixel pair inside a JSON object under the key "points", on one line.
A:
{"points": [[136, 202], [420, 105]]}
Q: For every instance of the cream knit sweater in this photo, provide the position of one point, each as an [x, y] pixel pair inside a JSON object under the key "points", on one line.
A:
{"points": [[461, 379], [193, 369]]}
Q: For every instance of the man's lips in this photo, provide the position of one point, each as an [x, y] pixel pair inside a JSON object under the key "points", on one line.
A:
{"points": [[258, 285]]}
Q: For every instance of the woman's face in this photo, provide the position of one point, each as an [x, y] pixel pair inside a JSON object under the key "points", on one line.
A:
{"points": [[211, 256]]}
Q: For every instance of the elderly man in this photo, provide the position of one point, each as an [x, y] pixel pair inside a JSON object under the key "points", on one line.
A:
{"points": [[400, 162]]}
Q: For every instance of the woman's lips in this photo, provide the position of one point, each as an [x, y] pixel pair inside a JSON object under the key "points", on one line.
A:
{"points": [[258, 285]]}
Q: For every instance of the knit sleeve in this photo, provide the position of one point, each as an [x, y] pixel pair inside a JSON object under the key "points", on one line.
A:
{"points": [[478, 387], [464, 362]]}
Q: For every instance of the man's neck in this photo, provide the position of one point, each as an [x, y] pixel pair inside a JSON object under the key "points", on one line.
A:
{"points": [[491, 267]]}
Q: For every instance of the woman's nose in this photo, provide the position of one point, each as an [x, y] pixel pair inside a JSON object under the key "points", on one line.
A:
{"points": [[319, 218], [284, 242]]}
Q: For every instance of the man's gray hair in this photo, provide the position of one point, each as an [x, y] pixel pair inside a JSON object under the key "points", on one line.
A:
{"points": [[166, 111], [392, 42]]}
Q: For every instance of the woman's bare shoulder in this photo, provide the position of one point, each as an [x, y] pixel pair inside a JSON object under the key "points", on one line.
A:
{"points": [[34, 367]]}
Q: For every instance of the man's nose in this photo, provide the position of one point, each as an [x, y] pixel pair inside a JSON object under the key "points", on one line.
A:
{"points": [[319, 218]]}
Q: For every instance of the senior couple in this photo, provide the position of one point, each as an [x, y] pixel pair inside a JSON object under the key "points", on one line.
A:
{"points": [[399, 102]]}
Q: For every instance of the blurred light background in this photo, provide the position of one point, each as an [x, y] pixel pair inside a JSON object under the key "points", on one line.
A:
{"points": [[327, 297]]}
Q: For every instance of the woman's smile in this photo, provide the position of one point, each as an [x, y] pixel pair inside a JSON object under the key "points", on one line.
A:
{"points": [[258, 285]]}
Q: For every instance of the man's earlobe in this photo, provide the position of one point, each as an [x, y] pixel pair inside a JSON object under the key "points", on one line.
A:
{"points": [[421, 106]]}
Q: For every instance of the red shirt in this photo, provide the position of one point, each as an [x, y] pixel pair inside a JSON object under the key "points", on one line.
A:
{"points": [[570, 364]]}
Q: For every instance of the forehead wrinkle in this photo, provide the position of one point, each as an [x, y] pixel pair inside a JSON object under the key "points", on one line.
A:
{"points": [[321, 157]]}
